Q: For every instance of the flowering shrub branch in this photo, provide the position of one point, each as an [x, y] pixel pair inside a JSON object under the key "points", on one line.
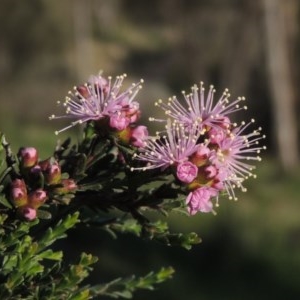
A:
{"points": [[199, 156]]}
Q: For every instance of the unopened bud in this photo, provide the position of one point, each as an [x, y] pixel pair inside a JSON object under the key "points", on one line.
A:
{"points": [[200, 157], [53, 174], [18, 193], [19, 183], [100, 84], [210, 172], [67, 186], [18, 197], [37, 198], [28, 157], [35, 170], [43, 165], [186, 172], [139, 135], [119, 122], [83, 91], [27, 212], [51, 170]]}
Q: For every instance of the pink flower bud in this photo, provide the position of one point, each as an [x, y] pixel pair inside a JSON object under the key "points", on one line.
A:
{"points": [[36, 169], [100, 84], [83, 91], [218, 185], [132, 112], [37, 198], [53, 174], [18, 197], [27, 212], [51, 170], [130, 109], [44, 164], [138, 136], [219, 179], [19, 183], [199, 158], [187, 171], [210, 171], [118, 121], [199, 200], [67, 186], [28, 157], [18, 192]]}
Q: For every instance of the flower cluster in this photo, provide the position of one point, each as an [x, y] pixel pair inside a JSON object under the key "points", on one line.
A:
{"points": [[111, 178], [205, 149], [38, 180], [114, 111]]}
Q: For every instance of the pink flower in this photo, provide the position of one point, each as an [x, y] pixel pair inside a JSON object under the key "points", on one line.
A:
{"points": [[139, 135], [201, 109], [187, 171], [199, 200], [101, 98], [173, 148], [232, 157]]}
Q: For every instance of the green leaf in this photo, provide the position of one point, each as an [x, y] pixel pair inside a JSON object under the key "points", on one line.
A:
{"points": [[82, 295], [129, 225], [4, 172], [49, 254], [124, 288], [5, 202], [159, 231], [43, 214], [184, 240]]}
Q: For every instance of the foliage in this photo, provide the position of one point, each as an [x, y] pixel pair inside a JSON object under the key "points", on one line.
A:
{"points": [[31, 269]]}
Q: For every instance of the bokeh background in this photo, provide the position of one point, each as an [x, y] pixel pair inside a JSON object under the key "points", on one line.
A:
{"points": [[251, 249]]}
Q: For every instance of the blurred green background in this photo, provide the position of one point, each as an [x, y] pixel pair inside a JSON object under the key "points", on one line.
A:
{"points": [[251, 249]]}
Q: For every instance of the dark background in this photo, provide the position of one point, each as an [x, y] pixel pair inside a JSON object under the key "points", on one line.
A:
{"points": [[251, 249]]}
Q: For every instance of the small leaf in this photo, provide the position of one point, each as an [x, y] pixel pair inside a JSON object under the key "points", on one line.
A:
{"points": [[43, 214], [130, 225], [49, 254], [82, 295], [5, 202], [184, 240], [124, 288]]}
